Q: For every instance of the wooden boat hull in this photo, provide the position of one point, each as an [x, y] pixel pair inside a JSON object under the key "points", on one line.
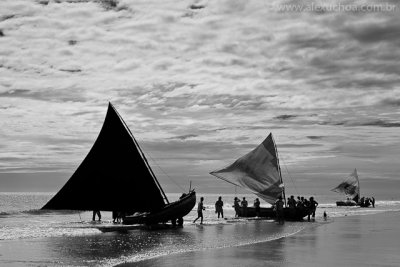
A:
{"points": [[345, 204], [171, 212], [289, 215], [351, 204]]}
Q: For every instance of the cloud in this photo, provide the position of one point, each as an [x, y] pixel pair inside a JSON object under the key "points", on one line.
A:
{"points": [[298, 145], [285, 117], [62, 95], [378, 122], [184, 137], [363, 122], [391, 102], [207, 83], [375, 33], [313, 137]]}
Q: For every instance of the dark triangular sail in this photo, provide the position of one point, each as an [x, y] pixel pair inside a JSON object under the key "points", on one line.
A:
{"points": [[258, 171], [113, 176], [350, 186]]}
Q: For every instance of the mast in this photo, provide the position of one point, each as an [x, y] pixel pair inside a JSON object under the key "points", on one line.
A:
{"points": [[143, 156], [358, 185], [279, 169]]}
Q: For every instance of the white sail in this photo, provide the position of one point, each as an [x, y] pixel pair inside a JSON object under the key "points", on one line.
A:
{"points": [[258, 171], [350, 186]]}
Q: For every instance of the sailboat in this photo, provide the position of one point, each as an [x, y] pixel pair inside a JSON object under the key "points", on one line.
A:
{"points": [[351, 188], [116, 176], [259, 172]]}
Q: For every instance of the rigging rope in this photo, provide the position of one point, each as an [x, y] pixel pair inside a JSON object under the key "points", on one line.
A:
{"points": [[155, 162], [291, 178]]}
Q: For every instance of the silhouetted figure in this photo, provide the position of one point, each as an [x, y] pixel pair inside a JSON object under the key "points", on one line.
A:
{"points": [[325, 215], [257, 207], [279, 210], [300, 203], [306, 203], [121, 216], [200, 209], [292, 206], [291, 202], [362, 201], [96, 212], [236, 205], [115, 216], [373, 202], [244, 207], [367, 202], [219, 207], [312, 207]]}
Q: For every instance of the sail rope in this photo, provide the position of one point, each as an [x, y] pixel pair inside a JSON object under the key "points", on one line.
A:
{"points": [[170, 178], [142, 154], [291, 178]]}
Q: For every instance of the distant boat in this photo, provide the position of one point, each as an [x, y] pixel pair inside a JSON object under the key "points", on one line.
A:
{"points": [[259, 172], [351, 188], [115, 176]]}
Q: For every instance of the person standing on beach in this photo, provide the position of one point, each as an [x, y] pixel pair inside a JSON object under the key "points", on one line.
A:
{"points": [[312, 208], [236, 205], [257, 206], [200, 209], [244, 207], [292, 205], [373, 202], [115, 216], [279, 210], [218, 207], [96, 212]]}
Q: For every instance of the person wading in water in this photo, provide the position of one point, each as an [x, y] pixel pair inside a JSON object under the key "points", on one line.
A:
{"points": [[219, 207], [200, 209]]}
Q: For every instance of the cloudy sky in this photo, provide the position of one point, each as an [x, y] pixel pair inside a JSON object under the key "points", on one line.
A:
{"points": [[200, 83]]}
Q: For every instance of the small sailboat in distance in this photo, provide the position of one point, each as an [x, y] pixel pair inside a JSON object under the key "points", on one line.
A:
{"points": [[351, 188], [115, 176], [259, 172]]}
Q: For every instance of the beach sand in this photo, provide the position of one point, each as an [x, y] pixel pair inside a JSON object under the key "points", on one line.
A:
{"points": [[372, 240]]}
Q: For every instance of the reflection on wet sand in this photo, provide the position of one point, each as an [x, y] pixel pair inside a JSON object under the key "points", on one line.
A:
{"points": [[353, 241], [107, 248], [211, 241]]}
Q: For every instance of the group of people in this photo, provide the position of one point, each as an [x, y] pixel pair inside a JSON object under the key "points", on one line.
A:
{"points": [[241, 207], [219, 208], [302, 204], [367, 201], [116, 215]]}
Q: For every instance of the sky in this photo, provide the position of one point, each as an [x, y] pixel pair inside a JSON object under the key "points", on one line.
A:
{"points": [[201, 83]]}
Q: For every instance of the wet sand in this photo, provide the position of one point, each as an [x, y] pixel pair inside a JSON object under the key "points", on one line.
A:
{"points": [[372, 240]]}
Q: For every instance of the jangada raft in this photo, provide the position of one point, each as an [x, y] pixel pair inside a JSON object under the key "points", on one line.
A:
{"points": [[351, 188], [115, 176], [259, 172]]}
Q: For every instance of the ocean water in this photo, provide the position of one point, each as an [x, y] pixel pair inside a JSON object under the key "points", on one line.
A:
{"points": [[29, 236]]}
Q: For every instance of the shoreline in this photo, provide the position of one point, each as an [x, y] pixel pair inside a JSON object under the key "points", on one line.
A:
{"points": [[362, 240]]}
